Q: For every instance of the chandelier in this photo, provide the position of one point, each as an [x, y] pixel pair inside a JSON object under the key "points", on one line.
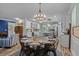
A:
{"points": [[40, 16]]}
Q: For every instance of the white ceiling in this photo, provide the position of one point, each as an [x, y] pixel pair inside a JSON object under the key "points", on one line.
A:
{"points": [[27, 10]]}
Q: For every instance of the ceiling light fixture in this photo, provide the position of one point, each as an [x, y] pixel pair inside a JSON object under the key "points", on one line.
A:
{"points": [[40, 16]]}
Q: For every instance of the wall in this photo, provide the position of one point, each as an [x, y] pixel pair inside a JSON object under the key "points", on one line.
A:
{"points": [[75, 46], [75, 22], [77, 14], [74, 16]]}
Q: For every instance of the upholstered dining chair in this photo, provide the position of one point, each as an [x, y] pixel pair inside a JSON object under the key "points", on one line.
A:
{"points": [[51, 47], [25, 49]]}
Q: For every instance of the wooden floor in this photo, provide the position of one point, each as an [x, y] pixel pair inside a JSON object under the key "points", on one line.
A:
{"points": [[9, 51], [65, 51], [13, 50]]}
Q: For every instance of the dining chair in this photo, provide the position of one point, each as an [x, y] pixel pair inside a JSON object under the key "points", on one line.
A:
{"points": [[25, 48], [54, 47], [51, 48], [22, 51], [46, 49], [36, 51]]}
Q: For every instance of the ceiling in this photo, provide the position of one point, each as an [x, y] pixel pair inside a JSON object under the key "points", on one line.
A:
{"points": [[27, 10]]}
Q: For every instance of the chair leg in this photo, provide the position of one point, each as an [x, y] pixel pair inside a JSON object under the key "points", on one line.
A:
{"points": [[54, 52], [21, 52]]}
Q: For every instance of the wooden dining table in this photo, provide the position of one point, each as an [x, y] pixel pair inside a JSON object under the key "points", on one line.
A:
{"points": [[33, 42]]}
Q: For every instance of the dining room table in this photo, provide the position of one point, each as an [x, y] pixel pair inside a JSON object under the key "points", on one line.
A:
{"points": [[34, 41]]}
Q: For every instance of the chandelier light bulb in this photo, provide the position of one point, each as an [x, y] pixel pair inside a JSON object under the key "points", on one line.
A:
{"points": [[40, 16]]}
